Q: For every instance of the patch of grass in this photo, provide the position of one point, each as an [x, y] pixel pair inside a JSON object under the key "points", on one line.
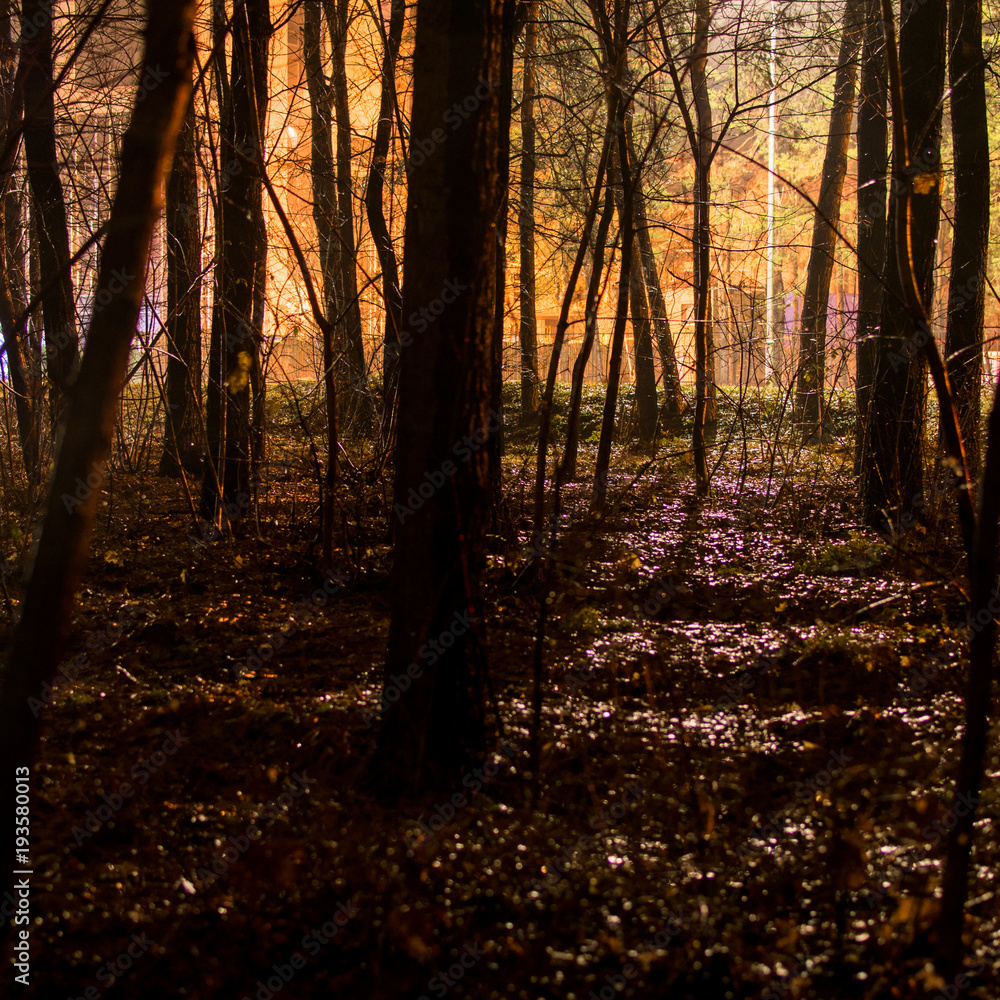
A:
{"points": [[857, 554]]}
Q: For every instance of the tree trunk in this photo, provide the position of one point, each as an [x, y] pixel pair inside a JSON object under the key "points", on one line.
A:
{"points": [[964, 358], [705, 407], [642, 341], [433, 697], [59, 315], [391, 293], [356, 404], [567, 467], [893, 481], [545, 415], [810, 382], [183, 448], [621, 314], [258, 387], [673, 398], [873, 166], [40, 637], [325, 211], [240, 249], [978, 699], [528, 328], [614, 42], [23, 358], [500, 524], [967, 287]]}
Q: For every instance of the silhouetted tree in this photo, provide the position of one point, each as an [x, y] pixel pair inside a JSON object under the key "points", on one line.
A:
{"points": [[673, 398], [614, 39], [528, 321], [873, 167], [892, 483], [435, 666], [22, 351], [183, 438], [46, 614], [705, 408], [391, 293], [810, 379], [967, 282], [35, 79], [241, 248], [355, 400]]}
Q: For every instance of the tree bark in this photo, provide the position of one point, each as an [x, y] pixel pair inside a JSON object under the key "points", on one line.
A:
{"points": [[545, 415], [642, 342], [183, 448], [434, 726], [810, 382], [35, 77], [391, 293], [873, 167], [325, 210], [614, 41], [964, 351], [23, 356], [705, 405], [609, 413], [673, 406], [528, 327], [40, 637], [967, 284], [567, 467], [978, 699], [356, 404], [237, 319], [501, 526], [892, 485]]}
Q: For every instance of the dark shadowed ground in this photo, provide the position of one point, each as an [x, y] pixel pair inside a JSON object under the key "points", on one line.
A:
{"points": [[749, 735]]}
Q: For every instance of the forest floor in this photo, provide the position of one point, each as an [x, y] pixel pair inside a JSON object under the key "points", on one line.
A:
{"points": [[749, 737]]}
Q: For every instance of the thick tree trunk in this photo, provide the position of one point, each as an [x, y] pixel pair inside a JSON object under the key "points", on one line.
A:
{"points": [[967, 285], [528, 327], [673, 406], [964, 359], [893, 481], [873, 167], [40, 638], [435, 668], [36, 80], [978, 699], [810, 382], [240, 249], [183, 444], [23, 357], [391, 293], [356, 403], [705, 406]]}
